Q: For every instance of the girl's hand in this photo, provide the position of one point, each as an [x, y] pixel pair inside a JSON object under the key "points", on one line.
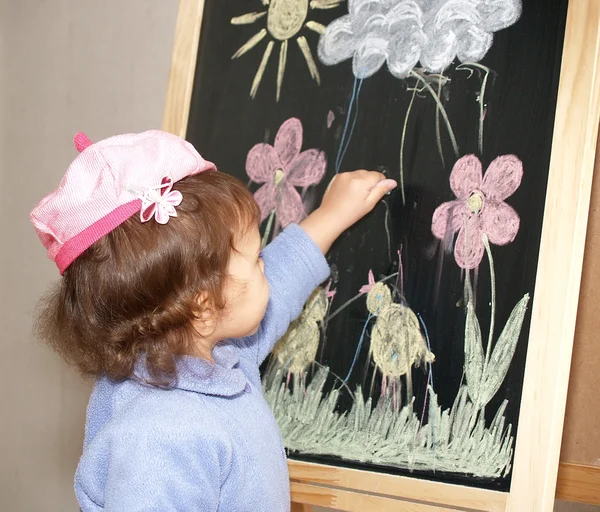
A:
{"points": [[349, 197]]}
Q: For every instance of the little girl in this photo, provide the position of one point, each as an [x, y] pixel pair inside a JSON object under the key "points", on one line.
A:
{"points": [[167, 298]]}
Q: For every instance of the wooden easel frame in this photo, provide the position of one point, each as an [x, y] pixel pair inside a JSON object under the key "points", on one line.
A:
{"points": [[554, 307]]}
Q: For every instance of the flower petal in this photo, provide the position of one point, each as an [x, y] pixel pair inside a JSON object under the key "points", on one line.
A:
{"points": [[502, 177], [170, 210], [465, 176], [288, 205], [288, 141], [147, 211], [362, 11], [403, 12], [448, 219], [338, 43], [440, 49], [500, 222], [166, 183], [366, 288], [498, 14], [265, 198], [262, 161], [405, 49], [173, 198], [161, 215], [307, 168], [372, 49], [469, 249], [472, 44], [356, 6], [406, 37]]}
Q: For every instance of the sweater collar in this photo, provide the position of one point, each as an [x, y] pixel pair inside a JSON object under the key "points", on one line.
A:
{"points": [[222, 378]]}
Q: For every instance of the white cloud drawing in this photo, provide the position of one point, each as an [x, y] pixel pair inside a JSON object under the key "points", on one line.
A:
{"points": [[406, 32]]}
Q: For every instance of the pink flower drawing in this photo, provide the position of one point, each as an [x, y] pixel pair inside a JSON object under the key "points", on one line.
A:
{"points": [[479, 208], [281, 168]]}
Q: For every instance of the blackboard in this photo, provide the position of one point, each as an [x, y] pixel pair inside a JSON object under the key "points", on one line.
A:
{"points": [[519, 103], [502, 105]]}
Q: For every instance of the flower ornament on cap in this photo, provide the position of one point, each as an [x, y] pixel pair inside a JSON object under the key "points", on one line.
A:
{"points": [[109, 182], [160, 202]]}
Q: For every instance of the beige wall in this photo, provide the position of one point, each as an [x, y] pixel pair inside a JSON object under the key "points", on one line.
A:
{"points": [[65, 65], [98, 66]]}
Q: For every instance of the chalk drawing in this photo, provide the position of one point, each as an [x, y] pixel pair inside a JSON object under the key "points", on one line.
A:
{"points": [[284, 21], [479, 207], [297, 348], [406, 32], [330, 118], [397, 342], [377, 433], [386, 429], [280, 168]]}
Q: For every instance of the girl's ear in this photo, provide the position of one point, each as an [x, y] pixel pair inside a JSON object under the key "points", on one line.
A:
{"points": [[206, 321]]}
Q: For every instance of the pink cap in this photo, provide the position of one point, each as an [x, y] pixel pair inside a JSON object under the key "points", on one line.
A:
{"points": [[105, 185]]}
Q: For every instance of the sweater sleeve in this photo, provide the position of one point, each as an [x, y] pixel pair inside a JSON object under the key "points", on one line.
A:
{"points": [[163, 471], [294, 267]]}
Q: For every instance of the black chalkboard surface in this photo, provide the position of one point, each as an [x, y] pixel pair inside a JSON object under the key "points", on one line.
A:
{"points": [[402, 379]]}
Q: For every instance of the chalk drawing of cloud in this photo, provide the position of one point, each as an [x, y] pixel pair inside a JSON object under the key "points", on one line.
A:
{"points": [[406, 32]]}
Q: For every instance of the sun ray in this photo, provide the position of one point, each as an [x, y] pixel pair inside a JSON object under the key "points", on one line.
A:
{"points": [[247, 19], [281, 69], [325, 4], [316, 27], [251, 43], [312, 66], [261, 69]]}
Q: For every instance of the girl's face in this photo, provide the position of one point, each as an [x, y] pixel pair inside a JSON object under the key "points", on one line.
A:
{"points": [[246, 291]]}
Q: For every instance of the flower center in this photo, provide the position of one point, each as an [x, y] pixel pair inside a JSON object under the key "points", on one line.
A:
{"points": [[278, 176], [475, 203]]}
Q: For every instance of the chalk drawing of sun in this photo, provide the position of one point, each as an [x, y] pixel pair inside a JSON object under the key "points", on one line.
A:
{"points": [[285, 19]]}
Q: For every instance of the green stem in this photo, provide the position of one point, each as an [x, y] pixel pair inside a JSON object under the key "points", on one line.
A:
{"points": [[442, 110], [402, 146], [268, 228], [468, 289], [437, 126], [469, 66], [387, 228], [481, 110]]}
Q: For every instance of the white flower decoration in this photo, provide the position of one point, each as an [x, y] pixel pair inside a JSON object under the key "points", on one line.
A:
{"points": [[406, 32]]}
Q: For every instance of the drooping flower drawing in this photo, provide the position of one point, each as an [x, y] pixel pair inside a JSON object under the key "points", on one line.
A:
{"points": [[281, 168], [479, 208], [406, 32], [419, 40]]}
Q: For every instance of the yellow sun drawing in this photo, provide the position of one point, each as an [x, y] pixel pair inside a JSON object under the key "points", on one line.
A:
{"points": [[285, 18]]}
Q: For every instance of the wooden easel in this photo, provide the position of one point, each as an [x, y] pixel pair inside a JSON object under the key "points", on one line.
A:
{"points": [[537, 450]]}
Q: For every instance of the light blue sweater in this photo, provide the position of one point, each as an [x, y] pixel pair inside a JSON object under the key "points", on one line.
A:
{"points": [[211, 443]]}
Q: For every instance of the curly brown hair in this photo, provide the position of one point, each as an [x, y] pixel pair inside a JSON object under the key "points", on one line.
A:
{"points": [[135, 290]]}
